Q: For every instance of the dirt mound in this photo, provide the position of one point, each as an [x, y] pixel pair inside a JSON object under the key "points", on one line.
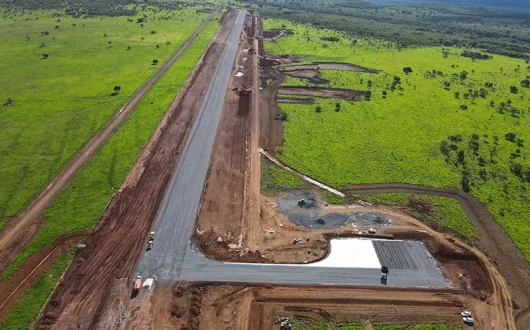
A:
{"points": [[337, 93], [296, 101], [225, 249], [270, 60], [276, 33], [329, 66], [312, 76]]}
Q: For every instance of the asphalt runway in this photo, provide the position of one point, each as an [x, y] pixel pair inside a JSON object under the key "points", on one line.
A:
{"points": [[177, 213], [172, 258]]}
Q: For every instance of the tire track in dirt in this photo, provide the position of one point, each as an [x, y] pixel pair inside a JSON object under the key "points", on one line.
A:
{"points": [[10, 238]]}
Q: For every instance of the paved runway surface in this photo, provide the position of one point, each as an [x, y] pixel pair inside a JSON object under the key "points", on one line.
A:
{"points": [[176, 217], [172, 258]]}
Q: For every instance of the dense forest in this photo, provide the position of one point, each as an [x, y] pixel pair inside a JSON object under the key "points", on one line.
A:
{"points": [[411, 25], [501, 6]]}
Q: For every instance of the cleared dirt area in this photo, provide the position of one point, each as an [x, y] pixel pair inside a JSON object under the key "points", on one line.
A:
{"points": [[258, 307], [328, 66], [19, 232], [96, 287], [296, 101], [337, 93], [225, 203]]}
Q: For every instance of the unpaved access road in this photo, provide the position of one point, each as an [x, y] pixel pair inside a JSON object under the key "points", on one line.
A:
{"points": [[12, 238]]}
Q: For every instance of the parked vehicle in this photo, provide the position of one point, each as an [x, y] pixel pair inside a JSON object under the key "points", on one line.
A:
{"points": [[151, 241], [137, 285]]}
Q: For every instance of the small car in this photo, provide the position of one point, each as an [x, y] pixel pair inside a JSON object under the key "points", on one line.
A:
{"points": [[466, 313], [468, 320], [372, 231]]}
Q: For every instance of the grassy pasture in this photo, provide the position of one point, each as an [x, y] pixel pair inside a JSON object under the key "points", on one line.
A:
{"points": [[400, 137], [58, 103], [80, 205]]}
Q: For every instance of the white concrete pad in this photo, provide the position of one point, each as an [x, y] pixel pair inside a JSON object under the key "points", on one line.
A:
{"points": [[350, 253]]}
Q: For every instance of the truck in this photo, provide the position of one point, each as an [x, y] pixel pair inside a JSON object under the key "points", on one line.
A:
{"points": [[137, 284]]}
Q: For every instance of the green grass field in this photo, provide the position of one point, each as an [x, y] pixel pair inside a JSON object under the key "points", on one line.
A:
{"points": [[80, 205], [436, 126], [60, 102], [26, 311]]}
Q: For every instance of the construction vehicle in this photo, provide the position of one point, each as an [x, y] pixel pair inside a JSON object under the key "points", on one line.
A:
{"points": [[151, 241], [137, 285], [384, 273]]}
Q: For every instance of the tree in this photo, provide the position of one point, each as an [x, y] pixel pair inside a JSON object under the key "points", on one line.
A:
{"points": [[525, 83], [45, 56], [457, 95], [318, 109], [9, 102], [407, 69], [466, 184], [117, 88], [463, 107], [155, 62], [153, 32], [384, 94], [517, 169], [337, 107], [514, 90], [510, 136]]}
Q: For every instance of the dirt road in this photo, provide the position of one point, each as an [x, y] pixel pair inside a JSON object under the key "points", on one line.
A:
{"points": [[12, 240]]}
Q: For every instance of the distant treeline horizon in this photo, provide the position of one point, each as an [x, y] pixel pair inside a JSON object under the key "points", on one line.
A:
{"points": [[507, 7]]}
